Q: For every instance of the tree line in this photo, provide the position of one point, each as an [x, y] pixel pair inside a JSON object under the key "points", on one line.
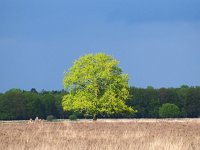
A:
{"points": [[17, 104]]}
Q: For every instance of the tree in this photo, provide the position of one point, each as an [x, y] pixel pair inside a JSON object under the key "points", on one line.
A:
{"points": [[193, 102], [182, 94], [50, 104], [96, 85], [34, 106], [145, 101], [12, 105], [33, 90], [168, 110]]}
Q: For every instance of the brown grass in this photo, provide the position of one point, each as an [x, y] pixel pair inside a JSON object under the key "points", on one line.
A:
{"points": [[102, 135]]}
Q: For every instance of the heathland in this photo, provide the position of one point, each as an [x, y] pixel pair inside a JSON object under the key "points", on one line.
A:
{"points": [[145, 134]]}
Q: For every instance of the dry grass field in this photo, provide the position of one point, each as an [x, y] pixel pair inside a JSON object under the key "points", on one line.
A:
{"points": [[102, 135]]}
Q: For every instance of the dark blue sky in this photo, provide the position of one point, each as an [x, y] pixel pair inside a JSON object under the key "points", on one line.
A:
{"points": [[157, 42]]}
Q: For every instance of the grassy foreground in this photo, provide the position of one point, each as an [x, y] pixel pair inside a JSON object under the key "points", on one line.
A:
{"points": [[102, 135]]}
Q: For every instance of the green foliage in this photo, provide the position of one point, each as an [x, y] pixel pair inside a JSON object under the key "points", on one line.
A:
{"points": [[50, 118], [96, 85], [48, 101], [12, 105], [193, 102], [168, 110], [145, 101], [20, 104], [73, 117]]}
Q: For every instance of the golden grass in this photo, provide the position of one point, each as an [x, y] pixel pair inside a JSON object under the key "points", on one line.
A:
{"points": [[149, 134]]}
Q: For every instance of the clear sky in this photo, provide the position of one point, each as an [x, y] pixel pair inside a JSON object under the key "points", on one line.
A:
{"points": [[156, 41]]}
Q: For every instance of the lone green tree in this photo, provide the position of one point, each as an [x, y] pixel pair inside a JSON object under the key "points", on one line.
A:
{"points": [[169, 110], [96, 85]]}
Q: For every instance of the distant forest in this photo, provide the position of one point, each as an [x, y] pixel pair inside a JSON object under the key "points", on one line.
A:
{"points": [[17, 104]]}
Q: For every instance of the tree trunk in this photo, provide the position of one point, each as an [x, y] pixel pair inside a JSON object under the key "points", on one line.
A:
{"points": [[95, 117]]}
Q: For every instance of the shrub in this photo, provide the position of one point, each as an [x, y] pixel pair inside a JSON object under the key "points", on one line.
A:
{"points": [[168, 110], [73, 117], [50, 118]]}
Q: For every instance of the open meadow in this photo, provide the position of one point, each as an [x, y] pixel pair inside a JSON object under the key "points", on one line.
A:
{"points": [[139, 134]]}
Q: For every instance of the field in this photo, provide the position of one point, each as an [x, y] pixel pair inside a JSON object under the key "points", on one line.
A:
{"points": [[149, 134]]}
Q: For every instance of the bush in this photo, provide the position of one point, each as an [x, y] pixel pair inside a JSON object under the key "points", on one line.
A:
{"points": [[168, 110], [50, 118], [73, 117]]}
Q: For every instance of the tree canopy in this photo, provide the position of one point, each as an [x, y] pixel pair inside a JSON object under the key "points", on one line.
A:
{"points": [[168, 110], [96, 85], [21, 104]]}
